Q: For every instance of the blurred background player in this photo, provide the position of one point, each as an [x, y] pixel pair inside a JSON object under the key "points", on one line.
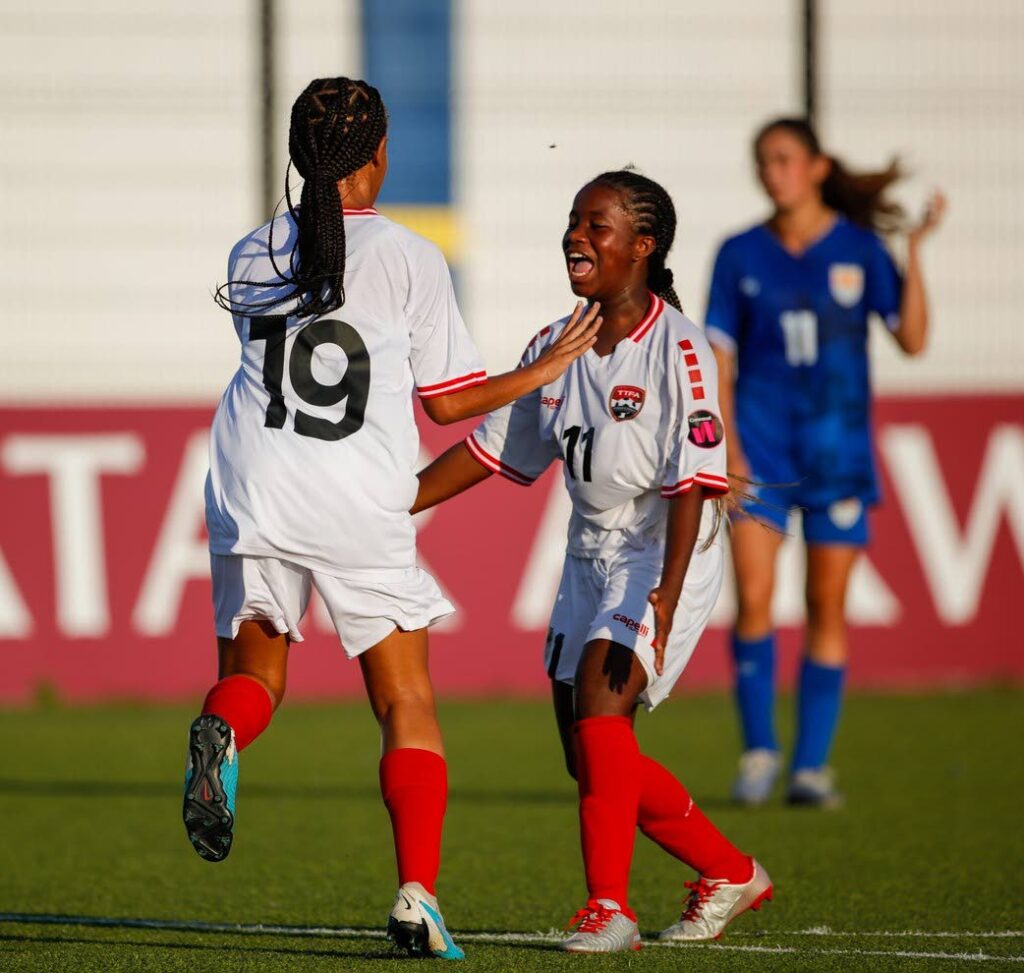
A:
{"points": [[635, 422], [311, 479], [788, 320]]}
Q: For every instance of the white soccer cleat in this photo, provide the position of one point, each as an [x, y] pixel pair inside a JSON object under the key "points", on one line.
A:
{"points": [[815, 787], [603, 928], [415, 925], [714, 903], [758, 770]]}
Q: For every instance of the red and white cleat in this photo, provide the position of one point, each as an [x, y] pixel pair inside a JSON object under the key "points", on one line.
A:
{"points": [[714, 903], [603, 927]]}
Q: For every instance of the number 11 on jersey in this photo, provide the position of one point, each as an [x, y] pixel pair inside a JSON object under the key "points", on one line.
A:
{"points": [[572, 437]]}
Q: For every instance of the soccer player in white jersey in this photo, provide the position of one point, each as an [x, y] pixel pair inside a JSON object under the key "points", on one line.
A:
{"points": [[340, 313], [635, 422]]}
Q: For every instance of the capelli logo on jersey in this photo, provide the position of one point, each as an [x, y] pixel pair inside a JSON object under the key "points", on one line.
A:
{"points": [[625, 402], [550, 402], [705, 429], [632, 624]]}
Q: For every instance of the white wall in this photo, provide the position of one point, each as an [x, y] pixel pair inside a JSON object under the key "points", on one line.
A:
{"points": [[129, 169], [131, 132], [941, 82], [672, 87]]}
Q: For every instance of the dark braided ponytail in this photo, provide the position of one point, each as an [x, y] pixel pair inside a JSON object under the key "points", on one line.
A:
{"points": [[336, 126], [652, 213]]}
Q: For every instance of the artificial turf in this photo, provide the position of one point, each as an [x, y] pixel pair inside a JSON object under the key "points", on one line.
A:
{"points": [[930, 842]]}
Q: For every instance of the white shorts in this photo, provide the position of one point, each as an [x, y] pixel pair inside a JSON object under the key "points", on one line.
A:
{"points": [[364, 609], [606, 598]]}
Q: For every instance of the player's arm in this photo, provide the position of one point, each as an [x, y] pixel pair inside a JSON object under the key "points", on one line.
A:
{"points": [[684, 513], [452, 472], [912, 332], [577, 336]]}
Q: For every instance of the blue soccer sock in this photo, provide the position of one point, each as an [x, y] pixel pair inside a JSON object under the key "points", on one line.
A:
{"points": [[755, 690], [818, 703]]}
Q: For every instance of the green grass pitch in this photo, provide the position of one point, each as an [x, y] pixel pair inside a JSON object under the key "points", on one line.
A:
{"points": [[930, 843]]}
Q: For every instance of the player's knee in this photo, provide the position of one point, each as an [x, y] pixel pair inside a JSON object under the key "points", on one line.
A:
{"points": [[403, 703]]}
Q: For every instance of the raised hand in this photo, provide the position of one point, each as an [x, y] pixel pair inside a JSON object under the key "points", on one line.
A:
{"points": [[576, 337], [934, 211]]}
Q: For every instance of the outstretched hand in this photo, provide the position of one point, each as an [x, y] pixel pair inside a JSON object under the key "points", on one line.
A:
{"points": [[664, 603], [934, 211], [576, 337]]}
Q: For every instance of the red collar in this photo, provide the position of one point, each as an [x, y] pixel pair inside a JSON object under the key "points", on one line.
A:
{"points": [[654, 310]]}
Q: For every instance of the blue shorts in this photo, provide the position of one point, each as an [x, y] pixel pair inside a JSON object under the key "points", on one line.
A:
{"points": [[841, 522]]}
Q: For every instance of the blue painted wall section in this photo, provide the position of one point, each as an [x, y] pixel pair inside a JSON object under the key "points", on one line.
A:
{"points": [[407, 55]]}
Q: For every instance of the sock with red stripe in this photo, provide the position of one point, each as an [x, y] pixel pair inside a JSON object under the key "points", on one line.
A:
{"points": [[414, 784], [244, 704], [669, 817], [608, 769]]}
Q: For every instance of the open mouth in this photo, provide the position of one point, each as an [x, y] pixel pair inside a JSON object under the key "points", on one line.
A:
{"points": [[578, 264]]}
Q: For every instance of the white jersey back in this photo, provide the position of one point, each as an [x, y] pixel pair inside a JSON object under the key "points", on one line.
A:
{"points": [[313, 446], [632, 427]]}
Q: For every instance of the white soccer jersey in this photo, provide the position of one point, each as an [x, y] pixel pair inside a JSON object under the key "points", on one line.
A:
{"points": [[632, 428], [313, 446]]}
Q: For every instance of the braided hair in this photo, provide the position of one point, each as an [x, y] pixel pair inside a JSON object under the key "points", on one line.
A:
{"points": [[336, 126], [652, 214]]}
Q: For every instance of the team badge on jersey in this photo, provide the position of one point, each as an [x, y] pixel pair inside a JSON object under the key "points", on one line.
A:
{"points": [[625, 402], [705, 429], [846, 282]]}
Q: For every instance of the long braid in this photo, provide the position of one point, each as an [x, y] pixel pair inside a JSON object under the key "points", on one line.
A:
{"points": [[653, 214], [336, 127]]}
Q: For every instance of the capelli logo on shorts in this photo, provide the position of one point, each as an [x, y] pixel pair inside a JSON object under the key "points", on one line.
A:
{"points": [[632, 624], [550, 402]]}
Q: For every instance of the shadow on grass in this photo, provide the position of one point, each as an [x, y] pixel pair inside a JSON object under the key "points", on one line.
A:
{"points": [[341, 954], [126, 788]]}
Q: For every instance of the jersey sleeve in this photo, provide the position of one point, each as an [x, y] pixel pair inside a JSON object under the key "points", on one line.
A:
{"points": [[884, 286], [697, 438], [722, 320], [509, 440], [444, 358]]}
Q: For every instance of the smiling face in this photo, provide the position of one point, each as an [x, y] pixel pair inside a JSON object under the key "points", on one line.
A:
{"points": [[604, 255], [788, 170]]}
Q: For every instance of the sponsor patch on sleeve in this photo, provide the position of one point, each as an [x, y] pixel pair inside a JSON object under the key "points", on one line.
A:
{"points": [[706, 429]]}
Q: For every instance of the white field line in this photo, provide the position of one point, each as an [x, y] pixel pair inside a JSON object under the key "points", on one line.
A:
{"points": [[513, 938]]}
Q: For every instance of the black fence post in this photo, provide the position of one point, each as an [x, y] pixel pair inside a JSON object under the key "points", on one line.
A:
{"points": [[267, 28]]}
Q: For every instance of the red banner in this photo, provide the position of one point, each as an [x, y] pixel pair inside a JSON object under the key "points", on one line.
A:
{"points": [[104, 588]]}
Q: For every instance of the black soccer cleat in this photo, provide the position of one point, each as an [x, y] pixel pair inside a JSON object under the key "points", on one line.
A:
{"points": [[210, 784]]}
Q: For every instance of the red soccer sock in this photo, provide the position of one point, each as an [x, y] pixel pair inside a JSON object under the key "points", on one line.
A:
{"points": [[609, 778], [414, 784], [668, 816], [244, 704]]}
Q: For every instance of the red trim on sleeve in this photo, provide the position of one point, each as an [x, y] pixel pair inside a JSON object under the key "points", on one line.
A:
{"points": [[686, 345], [695, 376], [452, 385], [698, 392], [710, 481], [494, 464], [691, 359]]}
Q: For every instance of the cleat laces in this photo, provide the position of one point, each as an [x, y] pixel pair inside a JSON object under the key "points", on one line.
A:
{"points": [[700, 892], [592, 919]]}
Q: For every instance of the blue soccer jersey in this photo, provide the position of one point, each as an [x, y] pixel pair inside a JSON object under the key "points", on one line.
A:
{"points": [[798, 326]]}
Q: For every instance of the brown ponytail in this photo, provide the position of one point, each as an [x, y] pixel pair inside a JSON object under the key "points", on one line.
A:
{"points": [[859, 196]]}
